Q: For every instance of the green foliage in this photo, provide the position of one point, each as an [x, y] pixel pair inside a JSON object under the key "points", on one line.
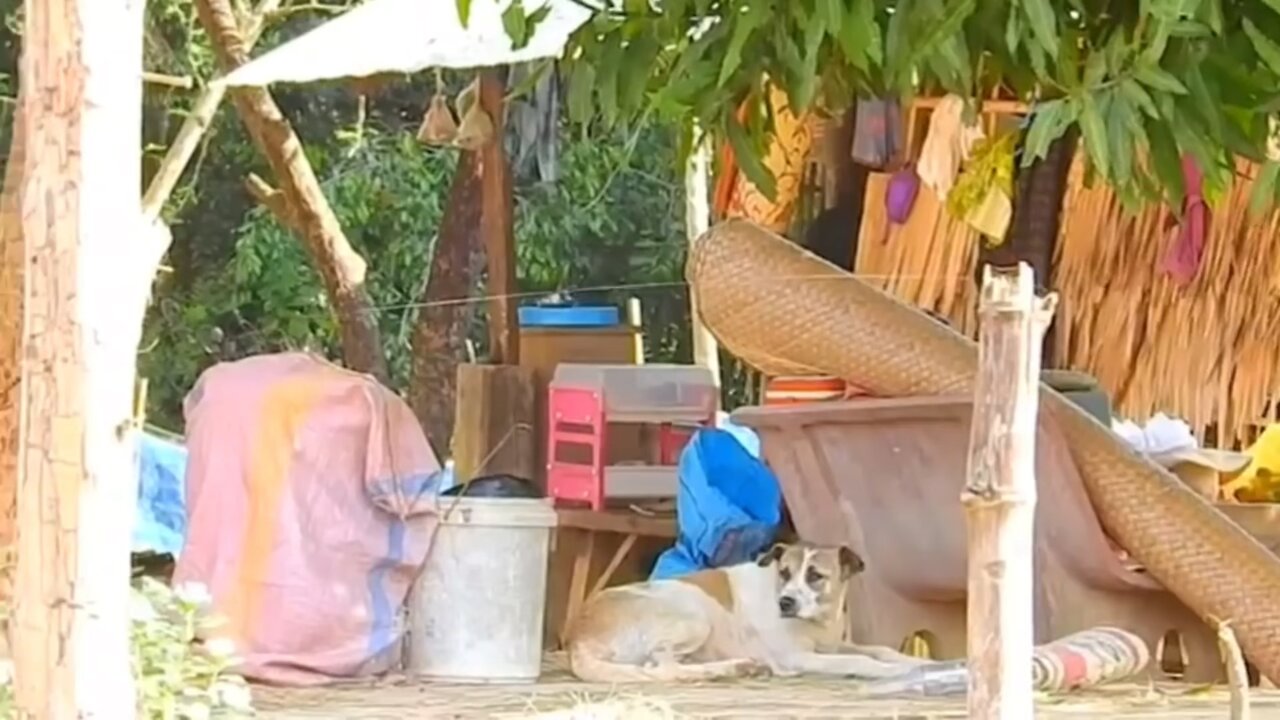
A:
{"points": [[1144, 81], [613, 218], [180, 678]]}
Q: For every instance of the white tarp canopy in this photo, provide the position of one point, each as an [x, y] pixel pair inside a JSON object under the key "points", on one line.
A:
{"points": [[411, 35]]}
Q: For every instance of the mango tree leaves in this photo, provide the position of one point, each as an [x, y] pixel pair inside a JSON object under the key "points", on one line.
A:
{"points": [[1145, 83], [1050, 120]]}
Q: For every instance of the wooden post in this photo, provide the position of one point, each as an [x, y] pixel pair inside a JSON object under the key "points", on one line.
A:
{"points": [[90, 260], [496, 224], [1000, 495], [493, 431], [697, 220]]}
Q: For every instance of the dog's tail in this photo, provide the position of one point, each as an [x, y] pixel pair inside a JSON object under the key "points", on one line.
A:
{"points": [[590, 667]]}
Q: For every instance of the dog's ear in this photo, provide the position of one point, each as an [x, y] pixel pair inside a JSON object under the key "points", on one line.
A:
{"points": [[772, 555], [850, 562]]}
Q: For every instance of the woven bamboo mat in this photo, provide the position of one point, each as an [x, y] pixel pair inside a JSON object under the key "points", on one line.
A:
{"points": [[560, 696]]}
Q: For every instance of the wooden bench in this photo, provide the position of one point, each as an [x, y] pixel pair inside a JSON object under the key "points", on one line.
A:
{"points": [[579, 536]]}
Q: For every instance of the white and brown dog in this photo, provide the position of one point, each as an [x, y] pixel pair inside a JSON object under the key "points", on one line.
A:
{"points": [[783, 613]]}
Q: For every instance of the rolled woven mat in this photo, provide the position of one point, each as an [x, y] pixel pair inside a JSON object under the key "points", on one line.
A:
{"points": [[787, 312], [1081, 660]]}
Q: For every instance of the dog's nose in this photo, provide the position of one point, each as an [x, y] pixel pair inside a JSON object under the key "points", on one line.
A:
{"points": [[787, 605]]}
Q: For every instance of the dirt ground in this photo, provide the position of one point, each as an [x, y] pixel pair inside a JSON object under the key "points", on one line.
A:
{"points": [[560, 696]]}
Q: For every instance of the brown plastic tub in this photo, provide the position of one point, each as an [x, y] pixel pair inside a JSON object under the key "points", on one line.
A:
{"points": [[884, 476]]}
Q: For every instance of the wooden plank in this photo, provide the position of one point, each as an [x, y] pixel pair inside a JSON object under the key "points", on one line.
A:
{"points": [[494, 422], [496, 225], [1000, 495], [617, 521]]}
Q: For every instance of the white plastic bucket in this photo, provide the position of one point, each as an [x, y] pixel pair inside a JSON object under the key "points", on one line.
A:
{"points": [[476, 612]]}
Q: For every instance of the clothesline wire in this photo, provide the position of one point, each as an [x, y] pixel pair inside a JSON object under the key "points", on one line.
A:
{"points": [[613, 288]]}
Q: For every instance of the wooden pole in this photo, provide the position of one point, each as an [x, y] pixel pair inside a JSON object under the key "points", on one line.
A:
{"points": [[496, 224], [90, 259], [697, 220], [1000, 495]]}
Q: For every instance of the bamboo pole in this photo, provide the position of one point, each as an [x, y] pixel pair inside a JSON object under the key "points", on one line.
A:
{"points": [[697, 220], [1000, 495]]}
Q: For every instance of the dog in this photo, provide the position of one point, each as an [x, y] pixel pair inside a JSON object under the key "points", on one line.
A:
{"points": [[783, 613]]}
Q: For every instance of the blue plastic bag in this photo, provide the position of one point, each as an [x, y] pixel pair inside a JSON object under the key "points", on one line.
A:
{"points": [[728, 506]]}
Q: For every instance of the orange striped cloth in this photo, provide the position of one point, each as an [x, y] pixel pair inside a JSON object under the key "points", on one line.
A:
{"points": [[1081, 660]]}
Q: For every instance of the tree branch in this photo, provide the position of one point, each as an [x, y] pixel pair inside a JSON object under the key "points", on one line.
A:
{"points": [[272, 199], [187, 140]]}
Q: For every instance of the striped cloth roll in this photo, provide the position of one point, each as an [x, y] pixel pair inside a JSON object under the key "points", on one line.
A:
{"points": [[1081, 660]]}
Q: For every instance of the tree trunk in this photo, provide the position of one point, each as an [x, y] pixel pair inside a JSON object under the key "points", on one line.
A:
{"points": [[90, 260], [340, 266], [439, 333], [11, 263], [496, 224]]}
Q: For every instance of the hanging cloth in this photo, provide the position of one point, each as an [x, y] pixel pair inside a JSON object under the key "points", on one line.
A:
{"points": [[947, 145], [533, 124], [1182, 261], [877, 132]]}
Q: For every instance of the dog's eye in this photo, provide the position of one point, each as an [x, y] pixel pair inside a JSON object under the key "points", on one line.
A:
{"points": [[813, 577], [785, 574]]}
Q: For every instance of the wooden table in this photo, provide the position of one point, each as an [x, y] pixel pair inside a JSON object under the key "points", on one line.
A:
{"points": [[589, 525]]}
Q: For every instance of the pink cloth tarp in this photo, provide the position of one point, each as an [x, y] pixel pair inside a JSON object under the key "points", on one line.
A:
{"points": [[310, 502]]}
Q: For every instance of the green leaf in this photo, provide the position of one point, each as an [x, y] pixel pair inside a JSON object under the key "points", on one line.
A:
{"points": [[1043, 24], [1153, 76], [744, 26], [1273, 4], [607, 69], [1013, 32], [637, 64], [1120, 120], [1049, 121], [1204, 102], [1095, 70], [749, 158], [859, 35], [1167, 161], [1069, 60], [1211, 12], [582, 84], [514, 22], [1139, 97], [832, 14], [1262, 198], [464, 12], [1094, 130], [1266, 48]]}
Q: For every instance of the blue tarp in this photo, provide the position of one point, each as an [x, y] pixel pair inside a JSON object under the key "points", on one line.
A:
{"points": [[160, 524], [728, 506]]}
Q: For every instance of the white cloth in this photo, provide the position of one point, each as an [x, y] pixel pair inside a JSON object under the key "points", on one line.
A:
{"points": [[947, 146], [1169, 442]]}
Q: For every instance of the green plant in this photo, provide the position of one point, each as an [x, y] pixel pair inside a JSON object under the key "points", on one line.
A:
{"points": [[1145, 82], [179, 677]]}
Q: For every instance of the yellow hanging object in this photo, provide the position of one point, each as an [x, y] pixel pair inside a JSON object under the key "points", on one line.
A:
{"points": [[1260, 481], [992, 215], [981, 194], [438, 127]]}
